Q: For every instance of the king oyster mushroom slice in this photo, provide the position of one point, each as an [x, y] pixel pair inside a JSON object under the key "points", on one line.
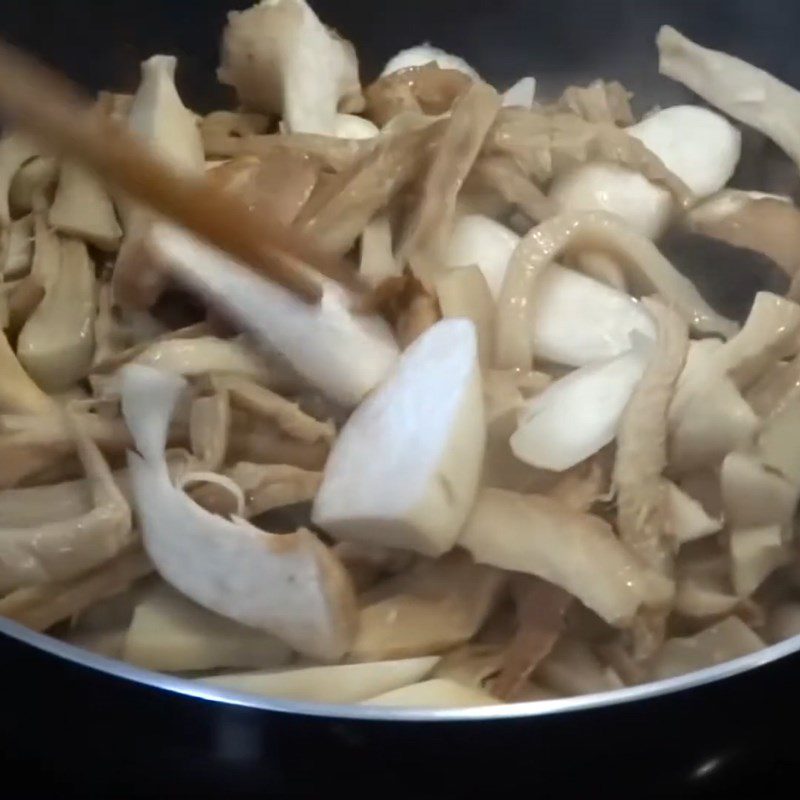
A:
{"points": [[64, 549], [579, 414], [575, 320], [434, 693], [57, 342], [423, 54], [15, 150], [16, 248], [341, 352], [82, 208], [699, 146], [32, 185], [404, 470], [18, 393], [576, 551], [171, 633], [289, 585], [282, 60], [339, 683]]}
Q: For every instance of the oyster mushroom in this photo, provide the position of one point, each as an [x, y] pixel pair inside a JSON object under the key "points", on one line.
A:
{"points": [[427, 422], [289, 585], [282, 60]]}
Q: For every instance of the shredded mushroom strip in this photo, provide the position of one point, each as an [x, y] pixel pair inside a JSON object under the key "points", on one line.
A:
{"points": [[537, 462]]}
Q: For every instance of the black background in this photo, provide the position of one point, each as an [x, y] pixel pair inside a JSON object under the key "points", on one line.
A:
{"points": [[67, 732]]}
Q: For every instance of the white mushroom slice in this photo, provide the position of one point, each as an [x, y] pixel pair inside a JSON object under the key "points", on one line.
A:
{"points": [[777, 442], [689, 520], [741, 90], [15, 150], [16, 248], [432, 608], [724, 641], [62, 550], [784, 622], [464, 294], [645, 267], [282, 60], [579, 414], [425, 54], [699, 146], [427, 423], [755, 554], [765, 223], [575, 320], [572, 668], [575, 551], [349, 126], [521, 94], [32, 184], [343, 353], [57, 342], [343, 683], [170, 633], [434, 693], [209, 424], [268, 486], [82, 208], [158, 116], [291, 586]]}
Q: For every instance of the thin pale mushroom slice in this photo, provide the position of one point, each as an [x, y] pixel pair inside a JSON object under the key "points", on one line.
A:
{"points": [[600, 101], [573, 669], [434, 693], [404, 469], [56, 344], [377, 262], [344, 354], [504, 177], [643, 508], [724, 641], [463, 293], [339, 683], [170, 633], [82, 208], [159, 117], [541, 608], [576, 551], [776, 443], [579, 414], [423, 54], [432, 608], [270, 486], [18, 392], [744, 92], [270, 406], [337, 214], [431, 221], [281, 59], [291, 586], [41, 607], [15, 151], [209, 425], [689, 520], [32, 185], [648, 270], [765, 223], [64, 549], [16, 248]]}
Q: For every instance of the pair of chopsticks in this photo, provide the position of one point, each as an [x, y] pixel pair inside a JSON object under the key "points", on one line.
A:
{"points": [[56, 113]]}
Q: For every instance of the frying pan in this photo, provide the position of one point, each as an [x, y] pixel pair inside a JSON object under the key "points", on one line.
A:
{"points": [[75, 723]]}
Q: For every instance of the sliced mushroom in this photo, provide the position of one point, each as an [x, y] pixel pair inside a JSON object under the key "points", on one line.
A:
{"points": [[521, 94], [18, 393], [573, 550], [16, 248], [57, 343], [433, 693], [291, 586], [377, 259], [427, 423], [646, 268], [425, 54], [688, 519], [82, 208], [573, 669], [340, 683], [432, 608], [15, 151], [31, 188], [170, 633], [282, 60], [344, 354], [62, 550]]}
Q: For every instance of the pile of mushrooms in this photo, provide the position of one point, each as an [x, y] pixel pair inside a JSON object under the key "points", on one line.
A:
{"points": [[548, 463]]}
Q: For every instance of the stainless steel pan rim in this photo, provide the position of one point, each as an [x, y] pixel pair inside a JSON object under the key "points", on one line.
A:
{"points": [[200, 691]]}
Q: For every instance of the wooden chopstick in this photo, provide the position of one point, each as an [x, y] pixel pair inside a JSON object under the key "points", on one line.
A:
{"points": [[55, 112]]}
